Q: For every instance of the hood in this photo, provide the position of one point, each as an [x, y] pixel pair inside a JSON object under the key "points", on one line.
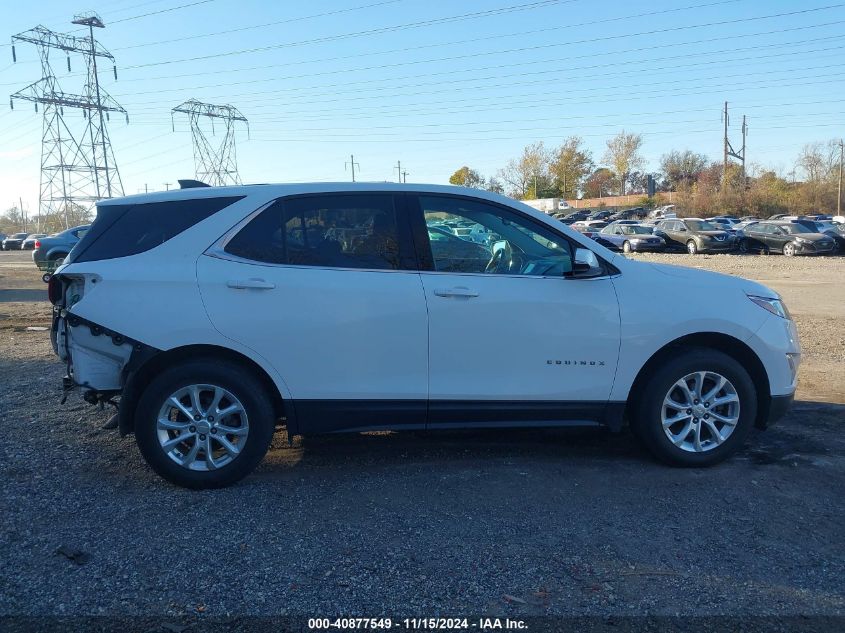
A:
{"points": [[707, 279], [812, 237]]}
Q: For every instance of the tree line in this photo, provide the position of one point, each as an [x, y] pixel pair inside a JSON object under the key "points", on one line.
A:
{"points": [[702, 187]]}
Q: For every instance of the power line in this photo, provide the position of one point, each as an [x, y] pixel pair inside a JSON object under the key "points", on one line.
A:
{"points": [[263, 25], [168, 10], [498, 76], [487, 13]]}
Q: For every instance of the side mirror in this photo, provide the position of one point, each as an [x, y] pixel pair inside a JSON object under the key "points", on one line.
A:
{"points": [[586, 264]]}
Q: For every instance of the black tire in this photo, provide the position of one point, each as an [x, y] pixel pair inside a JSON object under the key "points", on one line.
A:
{"points": [[692, 247], [626, 247], [646, 406], [744, 247], [232, 377]]}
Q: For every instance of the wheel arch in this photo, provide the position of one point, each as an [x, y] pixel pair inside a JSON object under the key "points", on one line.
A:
{"points": [[153, 361], [724, 343]]}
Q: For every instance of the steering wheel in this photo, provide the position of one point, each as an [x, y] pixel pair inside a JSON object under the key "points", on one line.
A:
{"points": [[495, 261]]}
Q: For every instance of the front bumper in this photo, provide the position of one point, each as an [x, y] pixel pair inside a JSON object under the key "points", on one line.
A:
{"points": [[718, 247], [814, 248], [776, 408], [640, 247]]}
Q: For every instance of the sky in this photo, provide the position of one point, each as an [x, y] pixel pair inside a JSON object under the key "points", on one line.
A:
{"points": [[435, 84]]}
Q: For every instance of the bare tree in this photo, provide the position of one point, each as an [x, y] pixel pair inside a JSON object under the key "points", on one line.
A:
{"points": [[529, 174], [682, 168], [623, 155]]}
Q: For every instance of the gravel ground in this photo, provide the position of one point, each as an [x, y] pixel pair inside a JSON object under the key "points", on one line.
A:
{"points": [[576, 522]]}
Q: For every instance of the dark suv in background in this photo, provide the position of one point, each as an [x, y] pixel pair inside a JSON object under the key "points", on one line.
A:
{"points": [[694, 235], [789, 238]]}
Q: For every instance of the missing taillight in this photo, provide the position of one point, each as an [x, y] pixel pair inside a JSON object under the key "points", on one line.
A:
{"points": [[54, 289]]}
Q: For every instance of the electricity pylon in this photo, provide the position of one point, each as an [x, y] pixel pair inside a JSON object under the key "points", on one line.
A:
{"points": [[216, 166], [77, 162]]}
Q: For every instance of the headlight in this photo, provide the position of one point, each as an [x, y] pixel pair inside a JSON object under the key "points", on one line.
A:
{"points": [[775, 306], [801, 240]]}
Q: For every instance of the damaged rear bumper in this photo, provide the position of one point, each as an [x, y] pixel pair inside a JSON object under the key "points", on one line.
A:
{"points": [[96, 356]]}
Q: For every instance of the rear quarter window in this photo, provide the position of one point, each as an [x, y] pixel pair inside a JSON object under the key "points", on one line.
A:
{"points": [[121, 230]]}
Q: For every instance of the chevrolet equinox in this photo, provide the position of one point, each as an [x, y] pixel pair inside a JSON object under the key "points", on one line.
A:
{"points": [[216, 314]]}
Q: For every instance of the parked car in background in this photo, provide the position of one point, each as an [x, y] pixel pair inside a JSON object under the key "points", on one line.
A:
{"points": [[50, 251], [600, 215], [724, 222], [789, 238], [29, 243], [694, 235], [632, 237], [748, 218], [589, 225], [778, 216], [575, 216], [660, 213], [834, 231], [14, 241]]}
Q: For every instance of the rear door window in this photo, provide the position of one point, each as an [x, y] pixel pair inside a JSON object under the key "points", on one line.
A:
{"points": [[128, 229], [337, 231]]}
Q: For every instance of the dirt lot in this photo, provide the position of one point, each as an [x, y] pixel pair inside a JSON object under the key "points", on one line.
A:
{"points": [[459, 523]]}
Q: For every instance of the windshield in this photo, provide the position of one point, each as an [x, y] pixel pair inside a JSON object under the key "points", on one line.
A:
{"points": [[702, 225], [632, 229]]}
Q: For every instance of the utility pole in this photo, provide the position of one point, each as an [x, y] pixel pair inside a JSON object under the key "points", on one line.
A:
{"points": [[405, 176], [214, 165], [352, 164], [399, 169], [23, 213], [729, 150], [74, 158], [167, 186], [839, 195]]}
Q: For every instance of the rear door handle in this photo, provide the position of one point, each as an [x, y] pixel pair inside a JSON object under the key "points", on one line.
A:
{"points": [[455, 292], [257, 284]]}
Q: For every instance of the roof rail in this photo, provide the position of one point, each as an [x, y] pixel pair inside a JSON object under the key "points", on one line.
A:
{"points": [[191, 184]]}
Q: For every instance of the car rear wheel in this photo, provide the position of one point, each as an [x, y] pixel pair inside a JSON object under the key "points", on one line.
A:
{"points": [[789, 249], [626, 247], [692, 247], [696, 409], [57, 259], [744, 247], [204, 423]]}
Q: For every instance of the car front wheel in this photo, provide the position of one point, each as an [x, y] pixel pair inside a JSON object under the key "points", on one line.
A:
{"points": [[204, 423], [695, 410], [789, 249], [692, 247]]}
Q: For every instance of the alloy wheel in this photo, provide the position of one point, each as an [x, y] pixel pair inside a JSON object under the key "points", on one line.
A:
{"points": [[692, 249], [789, 249], [202, 427], [700, 411]]}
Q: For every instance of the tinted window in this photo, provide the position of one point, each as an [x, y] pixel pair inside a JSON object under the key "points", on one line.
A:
{"points": [[794, 228], [702, 225], [504, 242], [340, 231], [128, 229]]}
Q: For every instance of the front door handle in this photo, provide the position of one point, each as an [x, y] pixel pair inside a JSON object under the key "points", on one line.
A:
{"points": [[257, 284], [455, 292]]}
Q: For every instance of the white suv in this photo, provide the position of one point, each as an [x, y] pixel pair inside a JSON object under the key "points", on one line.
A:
{"points": [[216, 314]]}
